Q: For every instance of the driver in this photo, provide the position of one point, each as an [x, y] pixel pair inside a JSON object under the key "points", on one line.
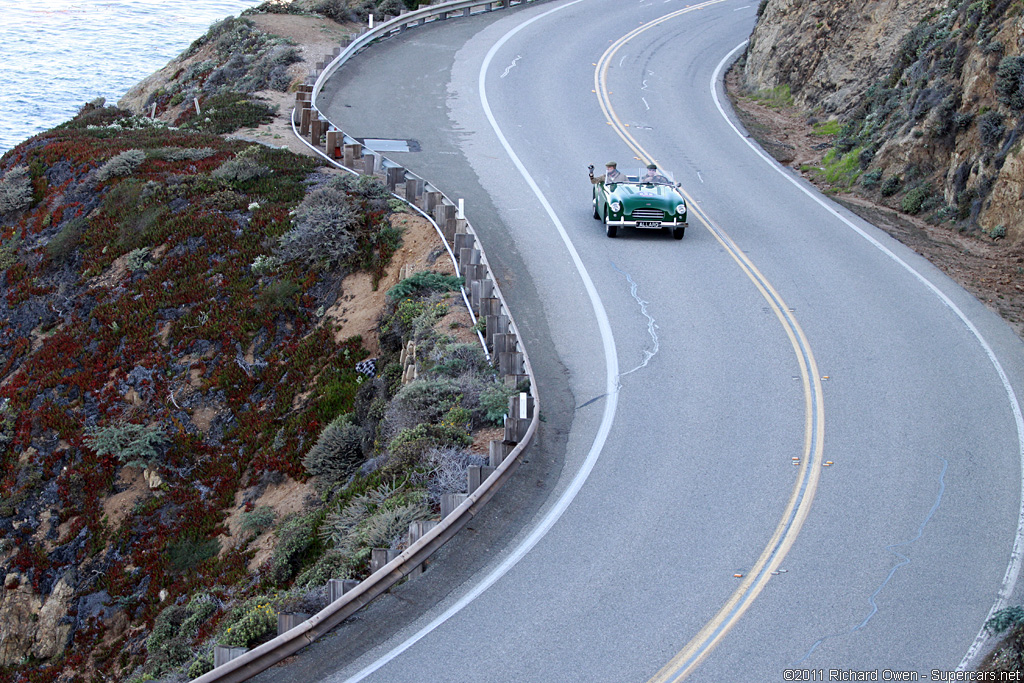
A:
{"points": [[611, 174], [654, 177]]}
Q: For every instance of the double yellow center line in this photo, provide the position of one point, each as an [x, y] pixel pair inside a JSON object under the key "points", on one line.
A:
{"points": [[798, 507]]}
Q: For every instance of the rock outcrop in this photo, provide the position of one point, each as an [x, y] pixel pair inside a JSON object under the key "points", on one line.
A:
{"points": [[930, 94]]}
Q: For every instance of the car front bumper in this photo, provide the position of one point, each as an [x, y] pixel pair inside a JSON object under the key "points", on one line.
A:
{"points": [[648, 225]]}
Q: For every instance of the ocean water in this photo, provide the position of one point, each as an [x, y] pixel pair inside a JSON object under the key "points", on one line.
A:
{"points": [[57, 55]]}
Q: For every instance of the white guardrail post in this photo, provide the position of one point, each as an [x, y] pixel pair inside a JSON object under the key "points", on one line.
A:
{"points": [[501, 344]]}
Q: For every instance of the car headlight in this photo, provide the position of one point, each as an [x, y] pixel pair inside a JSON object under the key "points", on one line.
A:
{"points": [[681, 209], [615, 207]]}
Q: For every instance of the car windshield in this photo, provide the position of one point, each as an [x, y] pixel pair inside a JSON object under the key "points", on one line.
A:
{"points": [[647, 176]]}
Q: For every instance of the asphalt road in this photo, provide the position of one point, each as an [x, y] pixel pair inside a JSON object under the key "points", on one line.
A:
{"points": [[674, 391]]}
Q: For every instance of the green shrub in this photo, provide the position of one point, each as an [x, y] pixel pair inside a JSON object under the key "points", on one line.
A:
{"points": [[915, 199], [374, 519], [227, 112], [165, 646], [242, 167], [872, 178], [134, 445], [1004, 619], [256, 522], [826, 128], [278, 295], [892, 185], [297, 543], [62, 246], [422, 400], [136, 259], [324, 232], [251, 622], [15, 190], [1010, 81], [123, 164], [183, 153], [494, 402], [425, 281], [190, 551], [337, 453], [777, 97], [990, 128]]}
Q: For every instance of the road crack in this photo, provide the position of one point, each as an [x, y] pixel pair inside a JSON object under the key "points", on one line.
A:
{"points": [[903, 561], [652, 326]]}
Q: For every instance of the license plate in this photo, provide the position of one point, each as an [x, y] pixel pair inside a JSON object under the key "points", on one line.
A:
{"points": [[648, 224]]}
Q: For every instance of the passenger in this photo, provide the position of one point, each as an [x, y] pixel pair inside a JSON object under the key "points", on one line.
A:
{"points": [[654, 177], [611, 174]]}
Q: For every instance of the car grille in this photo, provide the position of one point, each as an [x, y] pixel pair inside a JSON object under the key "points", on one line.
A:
{"points": [[648, 214]]}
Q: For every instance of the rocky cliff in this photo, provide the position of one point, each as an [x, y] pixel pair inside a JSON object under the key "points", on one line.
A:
{"points": [[928, 94]]}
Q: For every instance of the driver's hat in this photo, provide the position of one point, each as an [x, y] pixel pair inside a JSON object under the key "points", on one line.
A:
{"points": [[653, 167], [611, 164]]}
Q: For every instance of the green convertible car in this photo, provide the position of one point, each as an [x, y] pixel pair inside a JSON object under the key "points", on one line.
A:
{"points": [[641, 201]]}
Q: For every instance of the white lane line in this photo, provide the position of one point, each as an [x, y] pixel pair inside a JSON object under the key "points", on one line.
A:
{"points": [[611, 384], [700, 177], [1017, 552], [644, 100], [510, 66]]}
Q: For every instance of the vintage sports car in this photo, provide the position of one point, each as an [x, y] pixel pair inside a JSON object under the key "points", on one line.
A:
{"points": [[640, 203]]}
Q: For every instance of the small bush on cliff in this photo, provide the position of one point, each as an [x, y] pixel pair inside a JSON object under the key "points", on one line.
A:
{"points": [[323, 235], [121, 165], [242, 167], [891, 185], [1010, 81], [915, 199], [337, 452], [15, 190], [425, 281], [256, 522], [133, 444], [991, 128]]}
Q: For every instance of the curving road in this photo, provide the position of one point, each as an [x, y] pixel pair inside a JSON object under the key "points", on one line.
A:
{"points": [[663, 529]]}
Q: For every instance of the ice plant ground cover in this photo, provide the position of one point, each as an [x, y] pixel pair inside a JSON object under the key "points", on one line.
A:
{"points": [[163, 306]]}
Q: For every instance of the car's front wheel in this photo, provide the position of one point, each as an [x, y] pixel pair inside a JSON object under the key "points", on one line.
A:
{"points": [[677, 233], [609, 229], [597, 216]]}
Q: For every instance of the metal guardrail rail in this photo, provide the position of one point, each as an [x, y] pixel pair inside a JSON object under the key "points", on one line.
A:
{"points": [[472, 263]]}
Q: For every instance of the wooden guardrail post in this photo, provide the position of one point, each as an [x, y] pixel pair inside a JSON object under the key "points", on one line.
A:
{"points": [[450, 501], [381, 556], [496, 324], [316, 126], [413, 190], [222, 654], [498, 450], [369, 162], [476, 475], [395, 176], [338, 587], [334, 144], [286, 621], [352, 152]]}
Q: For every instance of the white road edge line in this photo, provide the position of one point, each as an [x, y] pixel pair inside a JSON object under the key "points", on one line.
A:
{"points": [[1017, 553], [611, 385]]}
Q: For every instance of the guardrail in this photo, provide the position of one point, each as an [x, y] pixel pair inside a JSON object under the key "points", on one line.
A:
{"points": [[482, 297]]}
